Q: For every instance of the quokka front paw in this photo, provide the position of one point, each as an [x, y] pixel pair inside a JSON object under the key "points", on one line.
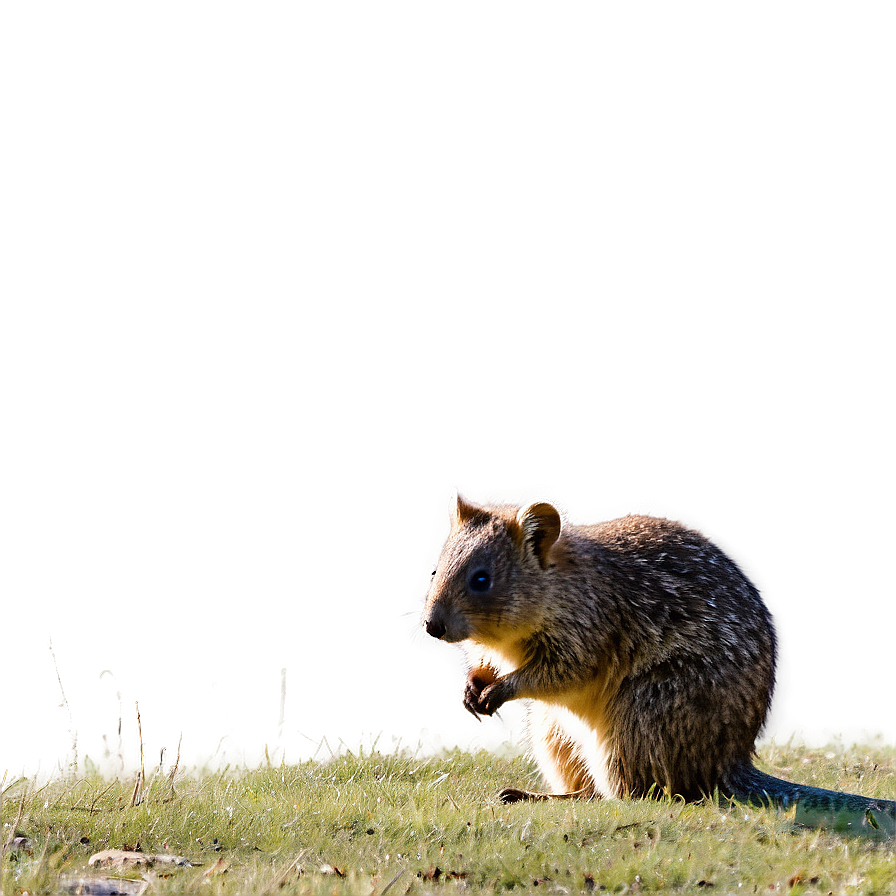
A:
{"points": [[493, 697], [477, 681]]}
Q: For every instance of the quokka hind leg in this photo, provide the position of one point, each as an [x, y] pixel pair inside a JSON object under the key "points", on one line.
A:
{"points": [[559, 759], [512, 795]]}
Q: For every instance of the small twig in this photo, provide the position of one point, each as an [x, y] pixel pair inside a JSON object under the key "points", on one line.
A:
{"points": [[281, 879], [78, 807], [101, 794], [394, 879]]}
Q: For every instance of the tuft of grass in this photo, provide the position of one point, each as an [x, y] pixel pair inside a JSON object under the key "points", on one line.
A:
{"points": [[399, 823]]}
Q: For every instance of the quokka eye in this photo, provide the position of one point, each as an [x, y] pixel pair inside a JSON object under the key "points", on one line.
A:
{"points": [[480, 581]]}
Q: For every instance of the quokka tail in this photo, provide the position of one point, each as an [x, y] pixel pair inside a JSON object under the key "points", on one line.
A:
{"points": [[815, 806]]}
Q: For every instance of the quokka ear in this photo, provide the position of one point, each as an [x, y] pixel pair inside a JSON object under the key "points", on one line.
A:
{"points": [[461, 511], [540, 526]]}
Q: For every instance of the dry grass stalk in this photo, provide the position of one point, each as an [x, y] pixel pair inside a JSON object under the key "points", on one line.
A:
{"points": [[158, 770], [72, 730], [281, 722], [12, 831], [173, 772], [284, 875], [108, 673], [141, 775]]}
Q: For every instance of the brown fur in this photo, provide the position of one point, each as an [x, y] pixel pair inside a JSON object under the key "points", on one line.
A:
{"points": [[650, 655]]}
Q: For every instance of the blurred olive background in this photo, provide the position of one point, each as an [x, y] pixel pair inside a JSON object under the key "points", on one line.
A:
{"points": [[276, 277]]}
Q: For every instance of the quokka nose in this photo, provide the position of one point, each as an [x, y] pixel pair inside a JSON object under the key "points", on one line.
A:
{"points": [[435, 627]]}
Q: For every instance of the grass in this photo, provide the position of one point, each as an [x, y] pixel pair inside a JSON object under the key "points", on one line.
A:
{"points": [[403, 824]]}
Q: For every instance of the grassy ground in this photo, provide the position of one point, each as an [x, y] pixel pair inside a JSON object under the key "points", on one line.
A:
{"points": [[400, 824]]}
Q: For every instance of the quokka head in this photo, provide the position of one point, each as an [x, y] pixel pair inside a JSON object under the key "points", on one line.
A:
{"points": [[492, 558]]}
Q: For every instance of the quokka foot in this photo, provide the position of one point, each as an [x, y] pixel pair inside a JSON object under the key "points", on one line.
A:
{"points": [[512, 795]]}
